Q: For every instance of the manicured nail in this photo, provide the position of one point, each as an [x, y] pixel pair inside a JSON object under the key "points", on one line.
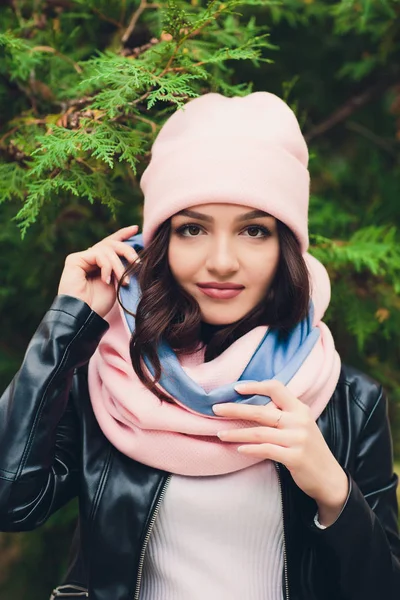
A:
{"points": [[126, 280], [108, 280]]}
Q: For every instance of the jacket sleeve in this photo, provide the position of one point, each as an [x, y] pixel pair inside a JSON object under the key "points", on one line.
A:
{"points": [[364, 541], [39, 429]]}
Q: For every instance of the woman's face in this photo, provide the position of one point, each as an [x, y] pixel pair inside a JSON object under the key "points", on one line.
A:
{"points": [[215, 244]]}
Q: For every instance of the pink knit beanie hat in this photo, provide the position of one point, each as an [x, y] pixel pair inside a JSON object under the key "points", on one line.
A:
{"points": [[242, 150]]}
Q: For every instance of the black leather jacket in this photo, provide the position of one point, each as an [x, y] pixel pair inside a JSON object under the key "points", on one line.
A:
{"points": [[52, 449]]}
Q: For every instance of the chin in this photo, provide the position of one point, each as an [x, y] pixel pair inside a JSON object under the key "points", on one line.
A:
{"points": [[221, 319]]}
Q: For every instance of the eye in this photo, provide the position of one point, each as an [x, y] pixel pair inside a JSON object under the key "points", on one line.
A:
{"points": [[189, 230], [193, 230], [253, 230]]}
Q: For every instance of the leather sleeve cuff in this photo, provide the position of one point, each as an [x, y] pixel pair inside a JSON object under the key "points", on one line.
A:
{"points": [[78, 310], [353, 524], [316, 517], [77, 328]]}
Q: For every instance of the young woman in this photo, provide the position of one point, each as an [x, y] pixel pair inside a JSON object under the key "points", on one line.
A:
{"points": [[194, 401]]}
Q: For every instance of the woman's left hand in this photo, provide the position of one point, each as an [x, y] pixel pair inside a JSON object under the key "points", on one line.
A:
{"points": [[286, 432]]}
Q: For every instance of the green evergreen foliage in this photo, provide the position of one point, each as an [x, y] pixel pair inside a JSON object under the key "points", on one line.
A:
{"points": [[118, 90], [84, 87]]}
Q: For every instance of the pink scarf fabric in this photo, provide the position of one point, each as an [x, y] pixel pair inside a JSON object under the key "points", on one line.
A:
{"points": [[171, 437]]}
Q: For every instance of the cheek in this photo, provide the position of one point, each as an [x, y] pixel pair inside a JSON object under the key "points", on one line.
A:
{"points": [[180, 262], [264, 268]]}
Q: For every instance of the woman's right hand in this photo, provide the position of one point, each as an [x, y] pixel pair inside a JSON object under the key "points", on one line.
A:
{"points": [[90, 275]]}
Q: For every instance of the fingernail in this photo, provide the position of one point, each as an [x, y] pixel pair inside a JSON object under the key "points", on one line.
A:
{"points": [[239, 386], [126, 280], [216, 408], [108, 280]]}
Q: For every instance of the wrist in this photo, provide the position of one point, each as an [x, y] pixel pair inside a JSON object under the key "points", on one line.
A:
{"points": [[332, 501]]}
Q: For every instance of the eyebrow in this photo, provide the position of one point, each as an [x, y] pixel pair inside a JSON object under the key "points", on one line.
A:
{"points": [[253, 214]]}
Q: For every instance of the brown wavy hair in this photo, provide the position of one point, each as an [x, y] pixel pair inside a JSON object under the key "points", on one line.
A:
{"points": [[167, 312]]}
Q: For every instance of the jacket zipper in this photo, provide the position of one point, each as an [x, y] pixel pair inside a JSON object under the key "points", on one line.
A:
{"points": [[278, 470], [147, 537]]}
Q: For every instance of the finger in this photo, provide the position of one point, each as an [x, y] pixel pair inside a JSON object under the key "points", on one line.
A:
{"points": [[256, 435], [125, 251], [85, 259], [265, 415], [266, 451], [118, 268], [89, 260], [277, 391], [124, 233], [104, 264]]}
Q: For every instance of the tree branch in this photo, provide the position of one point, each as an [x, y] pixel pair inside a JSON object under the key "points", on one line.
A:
{"points": [[61, 3], [69, 4], [17, 127], [387, 145], [105, 17], [347, 109], [77, 68], [135, 17], [65, 105]]}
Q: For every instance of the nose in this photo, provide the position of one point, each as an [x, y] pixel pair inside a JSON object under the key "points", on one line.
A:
{"points": [[222, 257]]}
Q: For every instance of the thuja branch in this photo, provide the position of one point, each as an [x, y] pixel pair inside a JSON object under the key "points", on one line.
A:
{"points": [[135, 17], [194, 32]]}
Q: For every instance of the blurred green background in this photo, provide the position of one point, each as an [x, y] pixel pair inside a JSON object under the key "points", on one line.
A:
{"points": [[84, 85]]}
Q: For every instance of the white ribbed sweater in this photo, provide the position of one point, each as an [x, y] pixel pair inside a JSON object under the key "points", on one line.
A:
{"points": [[217, 538]]}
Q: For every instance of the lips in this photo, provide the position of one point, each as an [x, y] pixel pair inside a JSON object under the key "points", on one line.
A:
{"points": [[221, 286], [221, 291]]}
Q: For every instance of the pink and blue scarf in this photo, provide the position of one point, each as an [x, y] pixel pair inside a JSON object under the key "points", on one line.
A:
{"points": [[180, 436]]}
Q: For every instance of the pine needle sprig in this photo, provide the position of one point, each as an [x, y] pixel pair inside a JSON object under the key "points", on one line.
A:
{"points": [[110, 123], [99, 139], [92, 185], [12, 182], [372, 249], [18, 57]]}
